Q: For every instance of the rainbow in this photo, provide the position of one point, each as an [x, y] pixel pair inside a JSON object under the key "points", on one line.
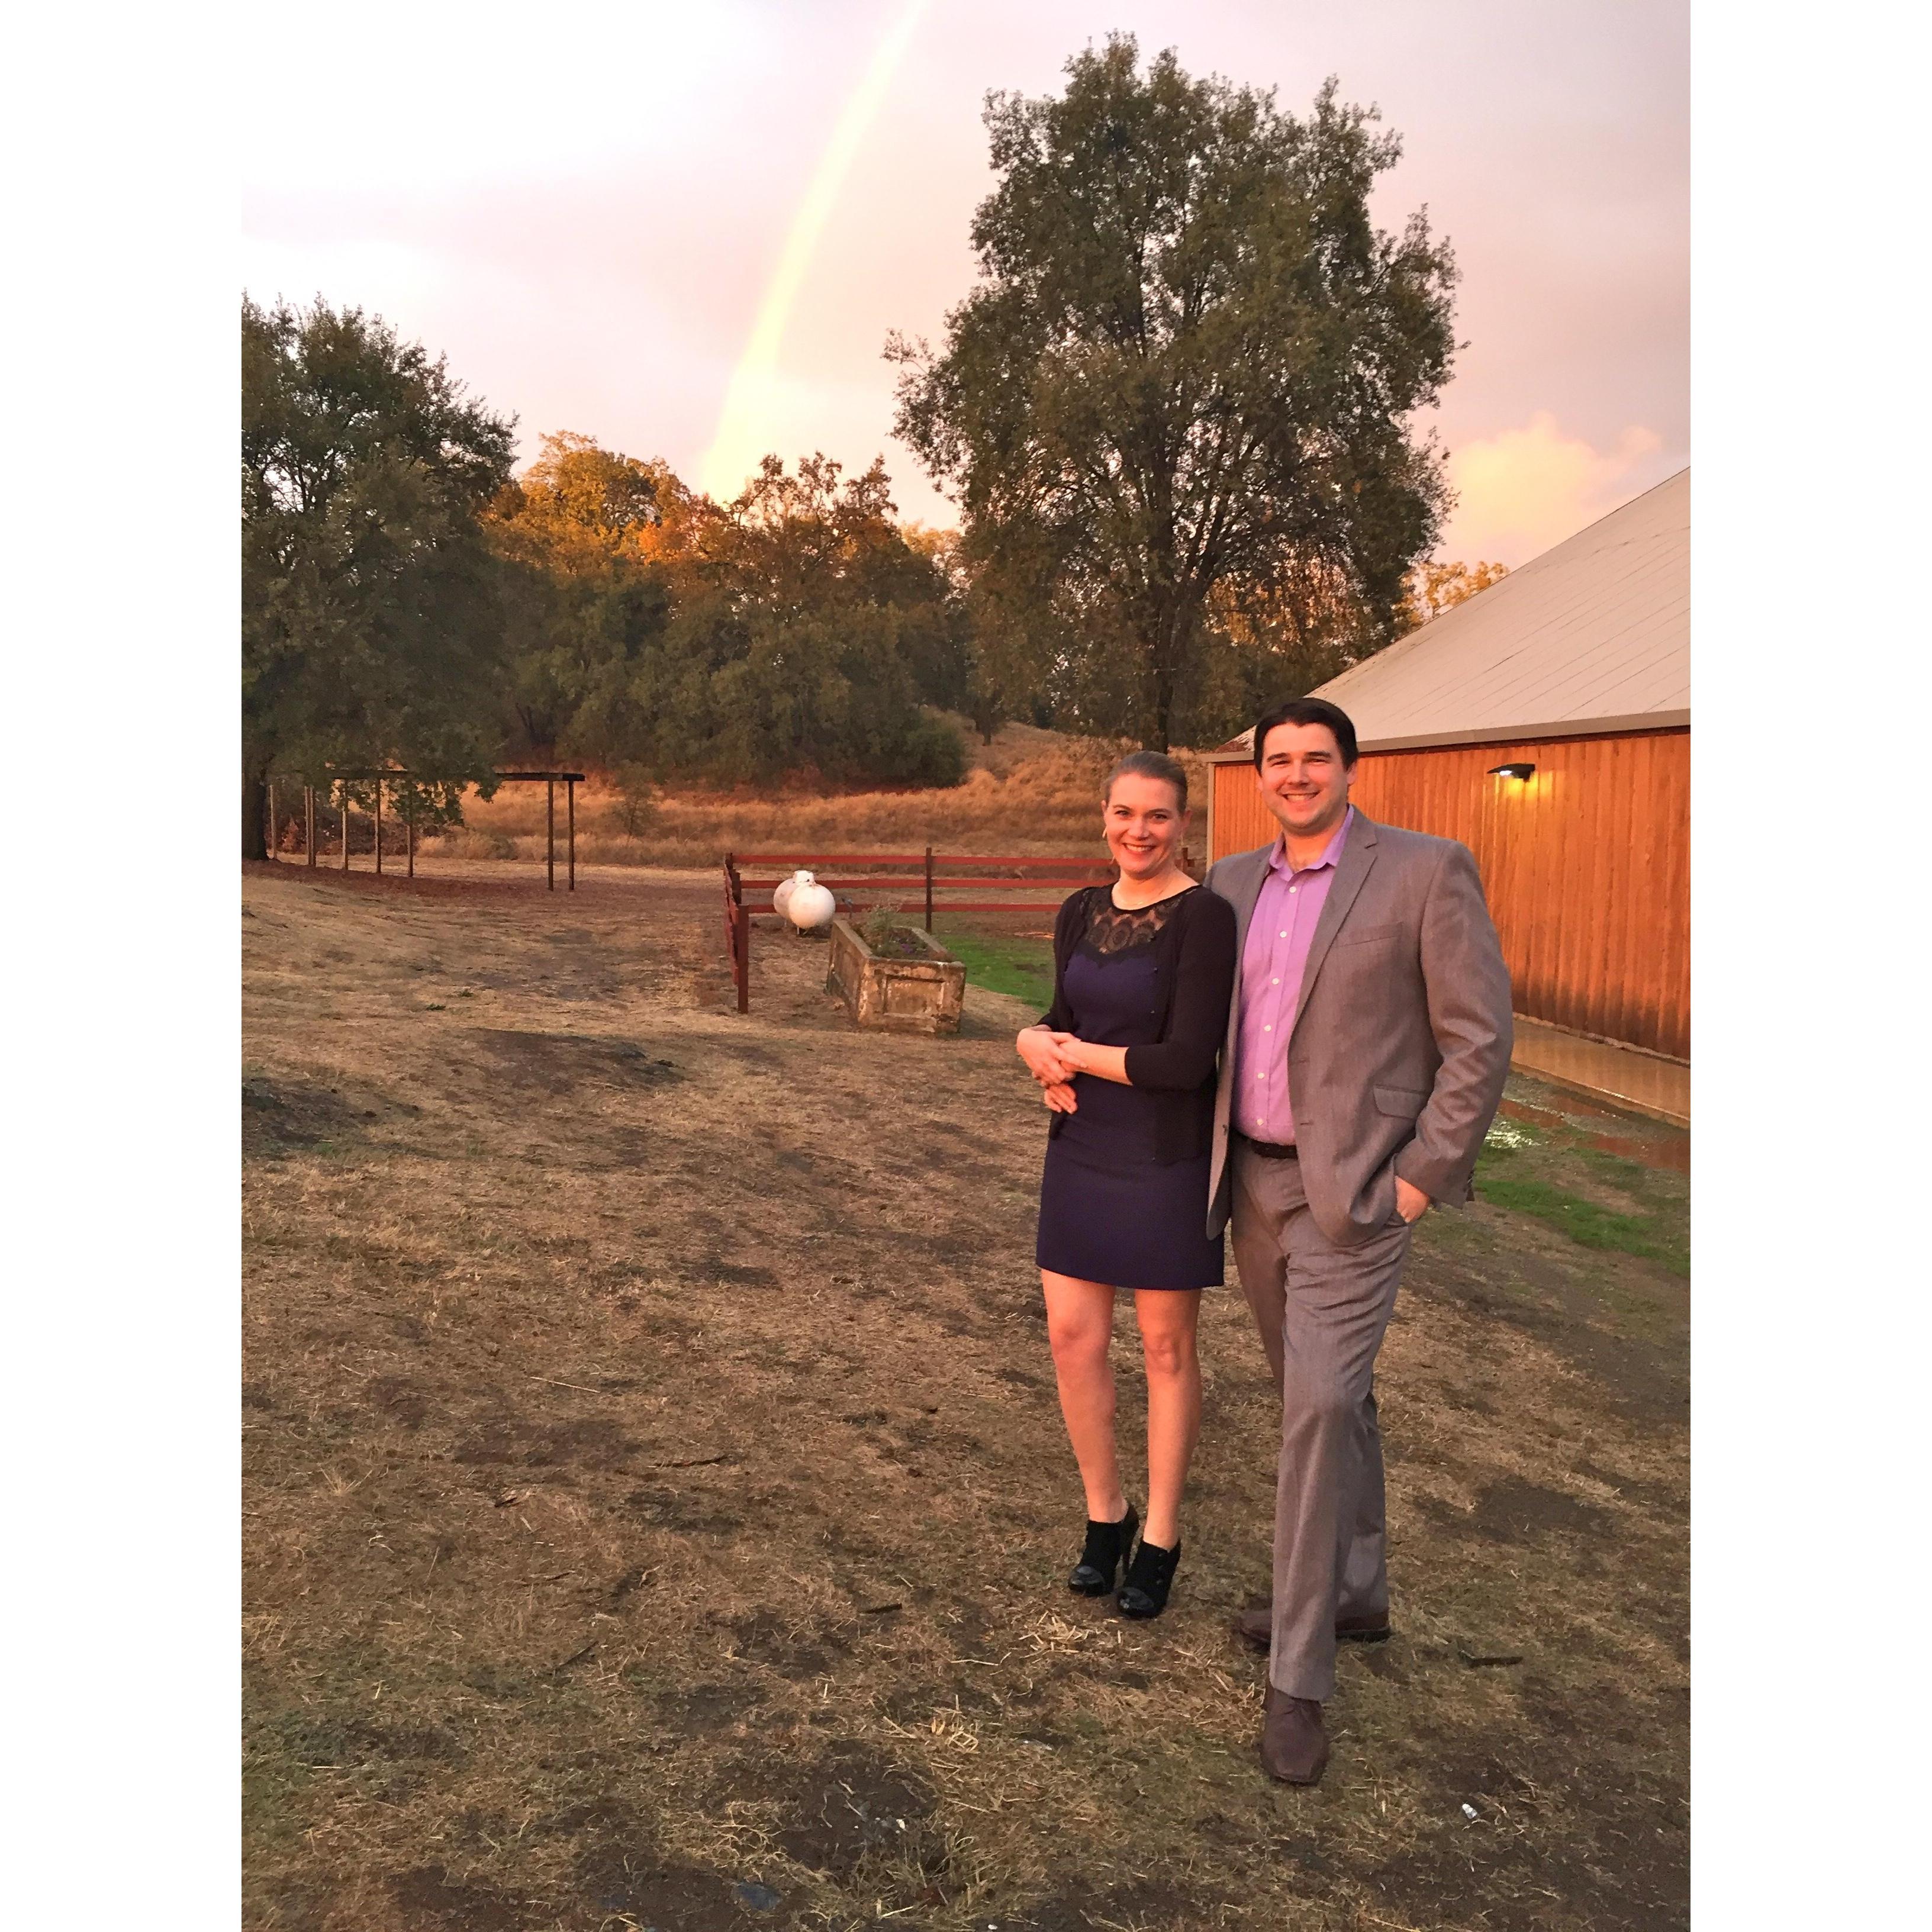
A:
{"points": [[743, 434]]}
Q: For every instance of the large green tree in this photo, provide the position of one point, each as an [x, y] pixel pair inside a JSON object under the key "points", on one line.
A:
{"points": [[372, 618], [1175, 408]]}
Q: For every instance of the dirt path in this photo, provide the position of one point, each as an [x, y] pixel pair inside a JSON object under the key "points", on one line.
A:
{"points": [[658, 1504]]}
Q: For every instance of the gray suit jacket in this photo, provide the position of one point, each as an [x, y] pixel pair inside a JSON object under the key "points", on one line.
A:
{"points": [[1401, 1037]]}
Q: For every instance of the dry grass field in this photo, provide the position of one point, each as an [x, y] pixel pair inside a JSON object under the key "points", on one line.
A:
{"points": [[657, 1509], [1029, 791]]}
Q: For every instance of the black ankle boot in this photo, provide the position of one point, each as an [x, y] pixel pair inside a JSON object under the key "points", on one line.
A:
{"points": [[1105, 1549], [1144, 1588]]}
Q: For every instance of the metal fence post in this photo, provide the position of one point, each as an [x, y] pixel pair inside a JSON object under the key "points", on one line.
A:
{"points": [[570, 804], [379, 828], [345, 825], [928, 889], [737, 934], [549, 832], [308, 824]]}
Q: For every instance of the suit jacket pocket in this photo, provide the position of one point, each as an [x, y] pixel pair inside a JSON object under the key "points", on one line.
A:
{"points": [[1404, 1102], [1372, 935]]}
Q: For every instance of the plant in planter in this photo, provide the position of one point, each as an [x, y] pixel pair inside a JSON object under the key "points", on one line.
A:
{"points": [[894, 976], [891, 938]]}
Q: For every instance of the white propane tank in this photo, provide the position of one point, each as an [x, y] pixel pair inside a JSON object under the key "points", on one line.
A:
{"points": [[809, 906], [782, 895]]}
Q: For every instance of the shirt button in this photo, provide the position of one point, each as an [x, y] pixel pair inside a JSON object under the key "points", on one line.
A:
{"points": [[1284, 935], [1269, 1028], [1274, 982]]}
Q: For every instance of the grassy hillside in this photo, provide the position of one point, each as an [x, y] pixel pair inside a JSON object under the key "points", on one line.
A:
{"points": [[1029, 791]]}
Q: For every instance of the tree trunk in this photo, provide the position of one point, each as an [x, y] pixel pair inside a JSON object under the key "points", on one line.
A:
{"points": [[1175, 643], [1157, 705], [254, 815]]}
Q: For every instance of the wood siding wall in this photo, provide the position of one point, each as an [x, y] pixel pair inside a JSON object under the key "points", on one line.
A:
{"points": [[1587, 866]]}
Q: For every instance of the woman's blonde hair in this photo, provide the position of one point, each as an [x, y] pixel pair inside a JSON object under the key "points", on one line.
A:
{"points": [[1149, 765]]}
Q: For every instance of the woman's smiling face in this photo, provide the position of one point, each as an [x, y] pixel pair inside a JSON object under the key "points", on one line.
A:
{"points": [[1143, 824]]}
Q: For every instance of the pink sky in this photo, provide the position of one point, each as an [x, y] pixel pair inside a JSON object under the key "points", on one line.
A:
{"points": [[590, 213]]}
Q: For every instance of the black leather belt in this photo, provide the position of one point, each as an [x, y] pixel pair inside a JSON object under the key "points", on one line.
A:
{"points": [[1271, 1150]]}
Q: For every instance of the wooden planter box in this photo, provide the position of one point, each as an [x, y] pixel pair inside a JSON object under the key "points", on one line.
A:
{"points": [[922, 995]]}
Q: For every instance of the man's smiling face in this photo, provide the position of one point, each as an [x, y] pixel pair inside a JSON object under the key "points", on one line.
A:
{"points": [[1304, 784]]}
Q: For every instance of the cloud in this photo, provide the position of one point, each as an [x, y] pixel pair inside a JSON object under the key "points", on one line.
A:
{"points": [[1523, 489]]}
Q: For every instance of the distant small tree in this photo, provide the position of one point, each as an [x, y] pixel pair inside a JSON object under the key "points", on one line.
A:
{"points": [[1434, 588], [1183, 384], [372, 619]]}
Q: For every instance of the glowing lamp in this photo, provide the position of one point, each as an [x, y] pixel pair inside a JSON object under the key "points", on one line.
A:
{"points": [[1512, 771]]}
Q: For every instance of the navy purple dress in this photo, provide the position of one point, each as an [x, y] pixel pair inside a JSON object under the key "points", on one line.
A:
{"points": [[1123, 1198]]}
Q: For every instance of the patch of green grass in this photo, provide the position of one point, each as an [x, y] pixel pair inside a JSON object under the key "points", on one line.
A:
{"points": [[1003, 962], [1646, 1235], [1658, 1190]]}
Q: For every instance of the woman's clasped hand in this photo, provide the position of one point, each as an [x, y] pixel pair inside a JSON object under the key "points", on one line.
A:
{"points": [[1046, 1053]]}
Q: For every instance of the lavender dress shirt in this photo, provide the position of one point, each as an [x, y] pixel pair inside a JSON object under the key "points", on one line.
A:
{"points": [[1273, 962]]}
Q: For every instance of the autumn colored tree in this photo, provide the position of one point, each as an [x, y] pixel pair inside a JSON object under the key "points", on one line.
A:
{"points": [[371, 621], [797, 629], [808, 635], [1182, 386], [581, 537]]}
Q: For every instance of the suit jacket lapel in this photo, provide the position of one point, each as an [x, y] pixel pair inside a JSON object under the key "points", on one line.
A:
{"points": [[1358, 854]]}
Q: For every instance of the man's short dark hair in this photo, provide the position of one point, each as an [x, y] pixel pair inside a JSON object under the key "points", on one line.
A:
{"points": [[1308, 711]]}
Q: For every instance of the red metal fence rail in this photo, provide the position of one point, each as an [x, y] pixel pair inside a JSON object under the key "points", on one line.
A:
{"points": [[924, 874], [906, 881]]}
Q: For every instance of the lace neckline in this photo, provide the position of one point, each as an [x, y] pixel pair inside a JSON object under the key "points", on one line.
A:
{"points": [[1110, 930], [1108, 889]]}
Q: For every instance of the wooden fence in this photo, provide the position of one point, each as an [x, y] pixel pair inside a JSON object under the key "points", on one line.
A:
{"points": [[303, 838]]}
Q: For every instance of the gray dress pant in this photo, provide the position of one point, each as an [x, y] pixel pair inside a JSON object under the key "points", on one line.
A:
{"points": [[1322, 1311]]}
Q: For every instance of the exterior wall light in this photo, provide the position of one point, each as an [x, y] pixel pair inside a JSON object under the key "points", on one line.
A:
{"points": [[1512, 771]]}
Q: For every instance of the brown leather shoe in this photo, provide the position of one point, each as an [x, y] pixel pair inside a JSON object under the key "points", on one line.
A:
{"points": [[1295, 1745], [1257, 1627]]}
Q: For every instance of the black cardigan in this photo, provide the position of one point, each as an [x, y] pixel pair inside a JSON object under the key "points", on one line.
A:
{"points": [[1194, 954]]}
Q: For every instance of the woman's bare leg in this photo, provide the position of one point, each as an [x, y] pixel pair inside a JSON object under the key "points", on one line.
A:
{"points": [[1167, 1318], [1080, 1325]]}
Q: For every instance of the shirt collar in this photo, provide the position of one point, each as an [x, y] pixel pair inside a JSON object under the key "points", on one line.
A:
{"points": [[1331, 852]]}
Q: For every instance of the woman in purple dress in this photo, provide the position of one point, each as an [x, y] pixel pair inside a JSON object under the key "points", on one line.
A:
{"points": [[1144, 970]]}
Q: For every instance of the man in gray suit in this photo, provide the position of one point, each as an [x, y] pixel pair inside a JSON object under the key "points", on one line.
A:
{"points": [[1367, 1046]]}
